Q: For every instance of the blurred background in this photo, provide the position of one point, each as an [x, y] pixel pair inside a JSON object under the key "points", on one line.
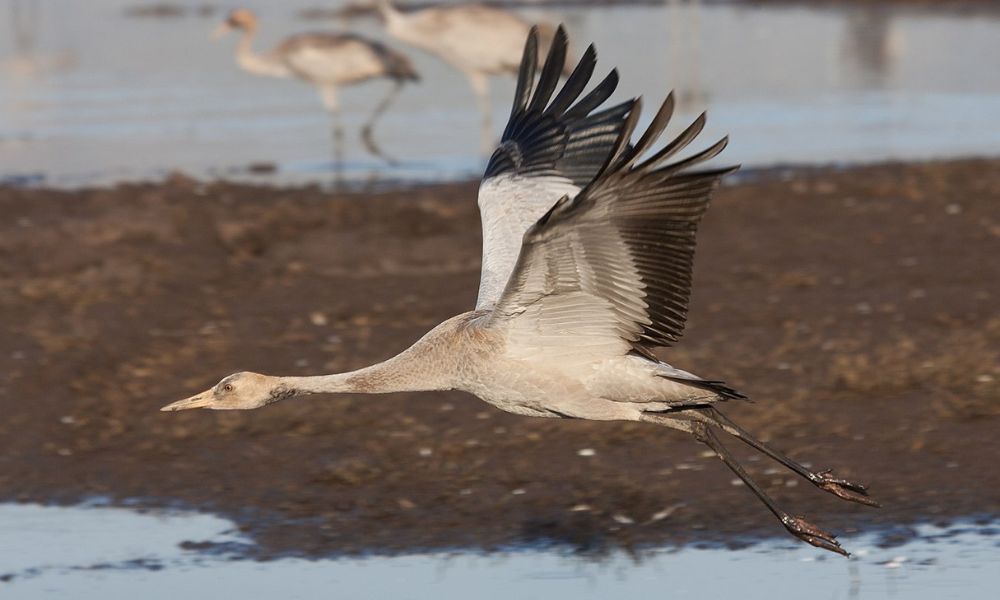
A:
{"points": [[167, 218], [113, 89]]}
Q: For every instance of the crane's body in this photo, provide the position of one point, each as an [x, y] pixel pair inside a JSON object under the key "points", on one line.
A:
{"points": [[469, 353], [478, 41], [588, 247], [469, 37], [340, 59], [327, 61]]}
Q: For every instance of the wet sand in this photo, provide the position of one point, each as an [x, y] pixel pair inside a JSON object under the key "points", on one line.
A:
{"points": [[858, 308]]}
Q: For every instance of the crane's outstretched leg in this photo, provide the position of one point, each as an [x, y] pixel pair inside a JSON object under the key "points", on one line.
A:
{"points": [[481, 86], [329, 95], [847, 490], [366, 129], [797, 526]]}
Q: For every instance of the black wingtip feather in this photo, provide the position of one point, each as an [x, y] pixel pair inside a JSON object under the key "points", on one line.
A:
{"points": [[560, 138], [652, 133], [700, 157], [526, 73], [551, 71], [574, 85], [679, 143], [595, 97], [622, 145]]}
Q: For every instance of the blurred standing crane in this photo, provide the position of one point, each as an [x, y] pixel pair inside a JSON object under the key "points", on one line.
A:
{"points": [[327, 61], [588, 251], [479, 41], [27, 60]]}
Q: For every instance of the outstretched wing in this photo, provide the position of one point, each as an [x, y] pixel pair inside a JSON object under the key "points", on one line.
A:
{"points": [[613, 265], [549, 149]]}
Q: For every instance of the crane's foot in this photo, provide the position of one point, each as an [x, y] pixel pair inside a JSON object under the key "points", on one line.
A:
{"points": [[809, 533], [841, 488]]}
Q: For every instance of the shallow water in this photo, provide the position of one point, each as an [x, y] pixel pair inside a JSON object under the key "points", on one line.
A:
{"points": [[88, 94], [83, 552]]}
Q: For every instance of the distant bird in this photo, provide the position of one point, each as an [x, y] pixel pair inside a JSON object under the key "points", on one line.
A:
{"points": [[479, 41], [587, 261], [327, 61]]}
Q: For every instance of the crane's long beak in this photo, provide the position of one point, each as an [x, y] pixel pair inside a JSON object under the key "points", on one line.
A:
{"points": [[202, 400], [222, 29]]}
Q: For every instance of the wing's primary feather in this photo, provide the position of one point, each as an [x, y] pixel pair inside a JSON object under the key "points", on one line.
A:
{"points": [[549, 148], [619, 255]]}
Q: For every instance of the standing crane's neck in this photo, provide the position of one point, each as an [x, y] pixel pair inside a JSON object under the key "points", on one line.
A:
{"points": [[258, 64], [389, 12]]}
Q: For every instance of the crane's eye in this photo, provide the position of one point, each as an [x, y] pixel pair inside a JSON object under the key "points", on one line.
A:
{"points": [[228, 387]]}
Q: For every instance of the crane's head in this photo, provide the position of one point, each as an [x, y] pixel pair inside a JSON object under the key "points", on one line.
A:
{"points": [[240, 391], [241, 19]]}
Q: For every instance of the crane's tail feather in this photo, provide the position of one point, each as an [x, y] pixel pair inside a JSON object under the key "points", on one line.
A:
{"points": [[712, 385]]}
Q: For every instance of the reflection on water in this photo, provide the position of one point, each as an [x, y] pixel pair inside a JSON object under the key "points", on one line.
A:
{"points": [[871, 46], [108, 96], [685, 54], [110, 553], [25, 59]]}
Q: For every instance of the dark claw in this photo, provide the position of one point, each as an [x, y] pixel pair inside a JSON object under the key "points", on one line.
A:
{"points": [[827, 475], [847, 490], [809, 533]]}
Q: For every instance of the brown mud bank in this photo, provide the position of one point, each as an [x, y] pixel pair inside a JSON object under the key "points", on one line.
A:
{"points": [[858, 308]]}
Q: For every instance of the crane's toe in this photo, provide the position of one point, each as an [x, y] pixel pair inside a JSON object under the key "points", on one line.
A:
{"points": [[846, 490], [811, 534]]}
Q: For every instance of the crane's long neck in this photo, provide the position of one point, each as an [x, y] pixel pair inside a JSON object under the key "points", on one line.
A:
{"points": [[389, 12], [255, 63], [376, 379], [425, 366]]}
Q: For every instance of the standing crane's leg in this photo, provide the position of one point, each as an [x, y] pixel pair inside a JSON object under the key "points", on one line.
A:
{"points": [[797, 526], [481, 86], [855, 492], [330, 102], [366, 129]]}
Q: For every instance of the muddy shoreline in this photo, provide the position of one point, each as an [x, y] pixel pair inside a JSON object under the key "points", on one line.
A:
{"points": [[857, 307]]}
